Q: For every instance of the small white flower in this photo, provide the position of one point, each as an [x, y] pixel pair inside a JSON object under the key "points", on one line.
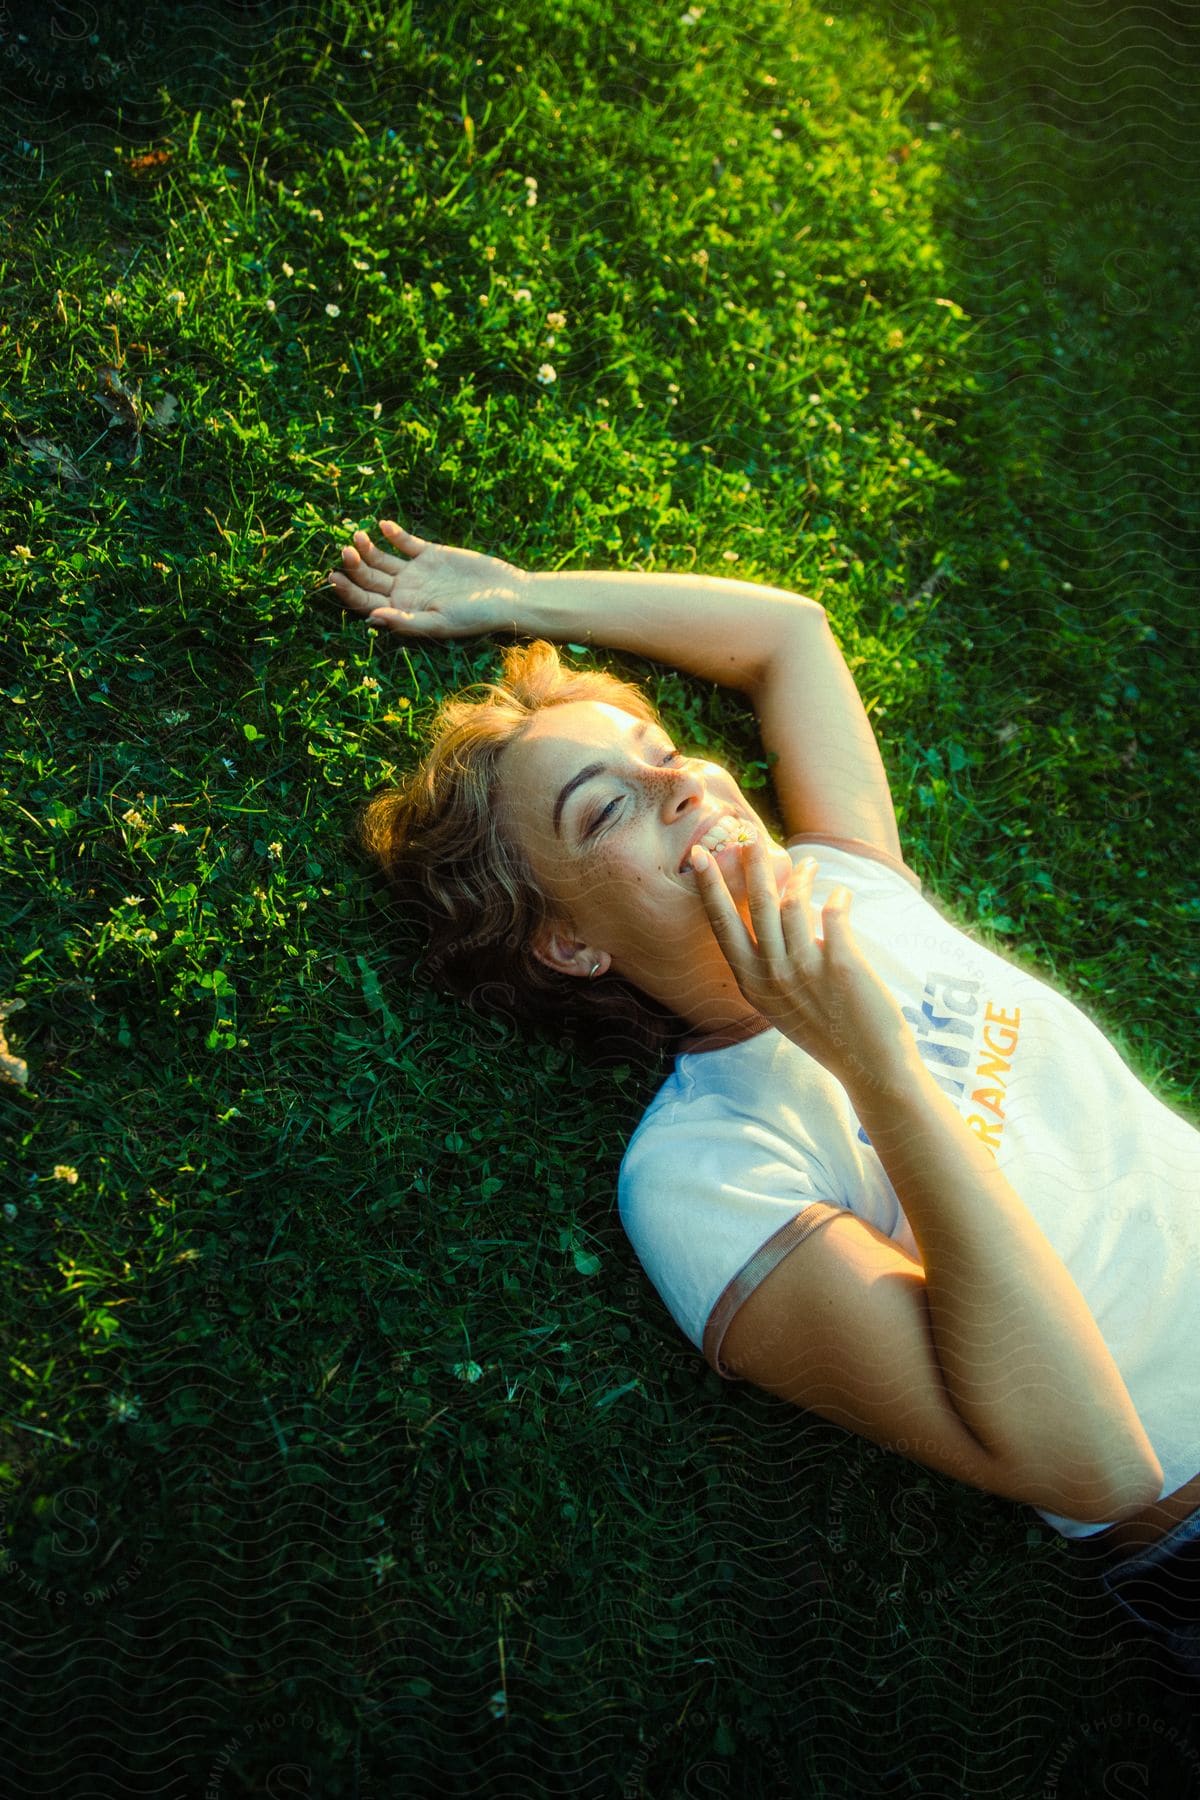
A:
{"points": [[357, 263], [556, 320], [181, 829], [731, 556], [377, 409], [776, 133], [314, 212], [814, 399], [332, 310], [522, 294], [546, 374], [692, 16], [133, 900], [288, 269], [364, 468], [270, 305], [370, 683], [672, 387], [531, 181], [275, 850]]}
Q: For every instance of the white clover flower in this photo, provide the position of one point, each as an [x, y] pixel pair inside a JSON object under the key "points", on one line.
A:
{"points": [[270, 305], [332, 310], [556, 320], [364, 468], [692, 16], [288, 269], [522, 294], [546, 374], [776, 133], [370, 683]]}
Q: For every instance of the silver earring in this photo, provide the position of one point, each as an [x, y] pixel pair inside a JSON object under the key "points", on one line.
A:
{"points": [[592, 976]]}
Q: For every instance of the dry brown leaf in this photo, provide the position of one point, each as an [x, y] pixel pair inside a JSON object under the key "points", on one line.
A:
{"points": [[11, 1067], [150, 164], [120, 400], [42, 450]]}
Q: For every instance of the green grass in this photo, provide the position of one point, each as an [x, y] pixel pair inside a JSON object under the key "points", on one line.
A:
{"points": [[348, 1448]]}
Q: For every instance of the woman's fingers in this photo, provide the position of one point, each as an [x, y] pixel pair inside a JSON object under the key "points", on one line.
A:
{"points": [[359, 599], [378, 559], [372, 581], [796, 908], [764, 900], [727, 926], [408, 541]]}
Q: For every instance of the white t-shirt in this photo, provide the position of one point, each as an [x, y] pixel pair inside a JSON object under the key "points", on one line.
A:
{"points": [[748, 1147]]}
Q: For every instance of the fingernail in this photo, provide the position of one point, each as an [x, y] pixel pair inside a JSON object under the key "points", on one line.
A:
{"points": [[699, 857]]}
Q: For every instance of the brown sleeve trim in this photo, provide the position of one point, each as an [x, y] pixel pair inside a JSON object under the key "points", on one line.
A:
{"points": [[860, 847], [767, 1257]]}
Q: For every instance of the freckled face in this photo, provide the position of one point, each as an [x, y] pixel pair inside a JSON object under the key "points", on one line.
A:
{"points": [[612, 864]]}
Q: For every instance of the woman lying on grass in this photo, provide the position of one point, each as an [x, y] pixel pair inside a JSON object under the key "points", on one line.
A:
{"points": [[1012, 1294]]}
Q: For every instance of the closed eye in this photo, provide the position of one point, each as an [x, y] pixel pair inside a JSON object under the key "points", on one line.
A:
{"points": [[670, 756]]}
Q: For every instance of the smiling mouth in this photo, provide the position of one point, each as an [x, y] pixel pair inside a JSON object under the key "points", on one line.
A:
{"points": [[725, 835]]}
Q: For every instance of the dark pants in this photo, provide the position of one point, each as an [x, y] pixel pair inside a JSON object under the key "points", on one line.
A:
{"points": [[1159, 1589]]}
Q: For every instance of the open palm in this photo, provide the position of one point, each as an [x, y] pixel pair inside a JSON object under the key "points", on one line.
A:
{"points": [[427, 590]]}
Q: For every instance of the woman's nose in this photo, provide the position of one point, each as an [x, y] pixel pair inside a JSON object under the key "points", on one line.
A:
{"points": [[684, 786]]}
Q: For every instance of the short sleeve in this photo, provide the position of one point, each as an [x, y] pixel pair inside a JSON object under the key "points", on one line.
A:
{"points": [[861, 850], [712, 1202]]}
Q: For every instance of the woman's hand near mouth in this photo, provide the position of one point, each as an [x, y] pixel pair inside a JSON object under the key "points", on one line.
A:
{"points": [[818, 991]]}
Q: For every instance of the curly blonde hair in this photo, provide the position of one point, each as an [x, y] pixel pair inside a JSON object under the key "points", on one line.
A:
{"points": [[439, 839]]}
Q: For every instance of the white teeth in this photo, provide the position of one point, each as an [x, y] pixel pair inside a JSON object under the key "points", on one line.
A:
{"points": [[726, 830]]}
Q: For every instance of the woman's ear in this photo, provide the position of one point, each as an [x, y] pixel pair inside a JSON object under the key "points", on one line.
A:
{"points": [[565, 954]]}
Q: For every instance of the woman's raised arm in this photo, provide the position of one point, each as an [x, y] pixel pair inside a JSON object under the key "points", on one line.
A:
{"points": [[720, 629]]}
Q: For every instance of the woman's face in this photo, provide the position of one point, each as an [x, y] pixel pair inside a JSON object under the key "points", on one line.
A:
{"points": [[606, 810]]}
